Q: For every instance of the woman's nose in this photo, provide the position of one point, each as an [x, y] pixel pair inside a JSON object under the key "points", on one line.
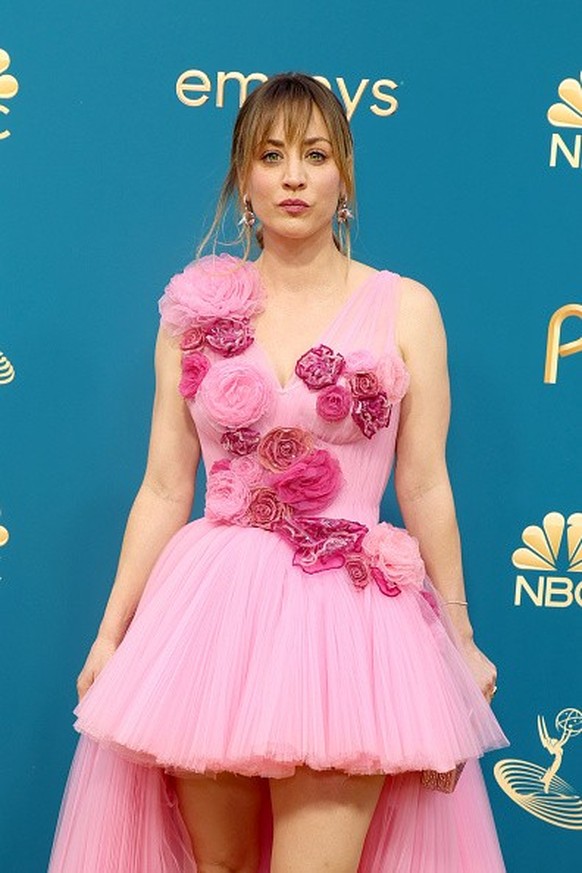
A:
{"points": [[294, 175]]}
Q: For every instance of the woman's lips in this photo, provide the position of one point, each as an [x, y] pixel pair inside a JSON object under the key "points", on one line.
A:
{"points": [[294, 207]]}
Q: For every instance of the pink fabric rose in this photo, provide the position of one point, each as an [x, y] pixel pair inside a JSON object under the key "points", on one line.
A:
{"points": [[358, 570], [193, 340], [364, 384], [265, 509], [229, 336], [227, 496], [213, 286], [319, 366], [248, 468], [241, 441], [311, 483], [236, 394], [395, 553], [333, 403], [394, 377], [372, 413], [282, 446], [360, 361], [195, 366]]}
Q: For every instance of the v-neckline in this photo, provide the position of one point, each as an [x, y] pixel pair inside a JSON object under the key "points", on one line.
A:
{"points": [[293, 378]]}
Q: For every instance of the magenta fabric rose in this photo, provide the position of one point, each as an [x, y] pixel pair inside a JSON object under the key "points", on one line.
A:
{"points": [[394, 377], [321, 543], [227, 496], [222, 464], [193, 340], [372, 413], [195, 366], [396, 553], [229, 336], [265, 509], [430, 598], [248, 468], [358, 570], [333, 403], [319, 366], [236, 394], [215, 286], [386, 587], [282, 446], [311, 483], [241, 441], [364, 384], [360, 361]]}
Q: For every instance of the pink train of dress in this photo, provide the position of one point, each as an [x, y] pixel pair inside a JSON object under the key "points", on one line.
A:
{"points": [[287, 626]]}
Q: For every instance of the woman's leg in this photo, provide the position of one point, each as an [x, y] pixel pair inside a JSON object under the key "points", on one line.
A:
{"points": [[320, 820], [221, 814]]}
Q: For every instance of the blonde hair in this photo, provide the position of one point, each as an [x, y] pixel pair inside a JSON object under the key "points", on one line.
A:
{"points": [[293, 95]]}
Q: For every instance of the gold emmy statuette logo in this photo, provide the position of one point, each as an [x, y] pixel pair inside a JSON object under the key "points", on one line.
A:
{"points": [[6, 370], [567, 114], [555, 349], [8, 87], [538, 790], [4, 535], [543, 553]]}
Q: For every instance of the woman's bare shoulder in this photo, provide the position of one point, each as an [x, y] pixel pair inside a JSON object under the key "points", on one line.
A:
{"points": [[419, 317]]}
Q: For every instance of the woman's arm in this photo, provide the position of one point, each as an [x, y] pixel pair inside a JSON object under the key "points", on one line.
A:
{"points": [[162, 505], [421, 477]]}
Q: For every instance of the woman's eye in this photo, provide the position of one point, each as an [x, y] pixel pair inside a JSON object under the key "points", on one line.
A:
{"points": [[317, 156], [270, 157]]}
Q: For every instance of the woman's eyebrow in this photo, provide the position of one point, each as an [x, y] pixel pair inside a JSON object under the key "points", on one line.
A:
{"points": [[310, 141]]}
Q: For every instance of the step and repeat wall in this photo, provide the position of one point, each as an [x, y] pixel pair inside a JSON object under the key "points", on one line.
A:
{"points": [[115, 122]]}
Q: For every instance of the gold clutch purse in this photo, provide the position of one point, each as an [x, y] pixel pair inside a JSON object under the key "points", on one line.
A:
{"points": [[442, 781]]}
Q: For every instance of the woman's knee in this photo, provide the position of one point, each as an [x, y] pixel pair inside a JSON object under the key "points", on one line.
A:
{"points": [[222, 815]]}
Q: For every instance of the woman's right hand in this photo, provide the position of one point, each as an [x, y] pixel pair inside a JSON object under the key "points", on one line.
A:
{"points": [[99, 654]]}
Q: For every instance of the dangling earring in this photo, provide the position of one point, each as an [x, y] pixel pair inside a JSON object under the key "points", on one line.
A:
{"points": [[343, 213], [248, 216]]}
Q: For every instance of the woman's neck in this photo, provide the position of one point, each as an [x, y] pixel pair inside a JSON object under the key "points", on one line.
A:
{"points": [[295, 265]]}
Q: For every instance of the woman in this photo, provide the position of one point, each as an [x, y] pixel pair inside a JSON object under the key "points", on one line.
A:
{"points": [[285, 690]]}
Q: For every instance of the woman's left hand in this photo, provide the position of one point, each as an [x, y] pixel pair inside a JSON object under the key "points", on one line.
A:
{"points": [[483, 670]]}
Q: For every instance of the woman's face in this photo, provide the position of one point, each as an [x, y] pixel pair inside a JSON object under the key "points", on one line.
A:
{"points": [[294, 187]]}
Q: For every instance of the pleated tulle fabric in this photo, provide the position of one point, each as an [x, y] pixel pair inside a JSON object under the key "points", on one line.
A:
{"points": [[237, 659]]}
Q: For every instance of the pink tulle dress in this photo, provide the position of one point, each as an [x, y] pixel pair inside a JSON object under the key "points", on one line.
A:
{"points": [[288, 625]]}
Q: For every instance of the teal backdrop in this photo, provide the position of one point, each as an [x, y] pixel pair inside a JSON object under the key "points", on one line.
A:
{"points": [[464, 182]]}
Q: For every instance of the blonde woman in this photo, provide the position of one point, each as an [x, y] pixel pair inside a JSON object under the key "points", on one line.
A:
{"points": [[285, 683]]}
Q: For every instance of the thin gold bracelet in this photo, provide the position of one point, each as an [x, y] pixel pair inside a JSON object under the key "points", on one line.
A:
{"points": [[459, 602]]}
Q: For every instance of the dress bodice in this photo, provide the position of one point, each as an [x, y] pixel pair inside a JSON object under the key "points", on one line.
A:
{"points": [[319, 447]]}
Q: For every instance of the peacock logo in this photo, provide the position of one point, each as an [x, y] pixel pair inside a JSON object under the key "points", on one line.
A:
{"points": [[7, 372], [567, 114], [552, 550], [8, 87], [539, 790]]}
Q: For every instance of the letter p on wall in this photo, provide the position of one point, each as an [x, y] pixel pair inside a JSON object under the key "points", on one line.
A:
{"points": [[555, 349]]}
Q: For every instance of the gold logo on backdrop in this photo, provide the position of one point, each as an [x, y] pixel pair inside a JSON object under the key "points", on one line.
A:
{"points": [[195, 87], [4, 535], [8, 87], [546, 549], [555, 349], [539, 790], [568, 114], [7, 372]]}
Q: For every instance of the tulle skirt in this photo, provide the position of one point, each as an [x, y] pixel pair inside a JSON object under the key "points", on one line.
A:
{"points": [[237, 660]]}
